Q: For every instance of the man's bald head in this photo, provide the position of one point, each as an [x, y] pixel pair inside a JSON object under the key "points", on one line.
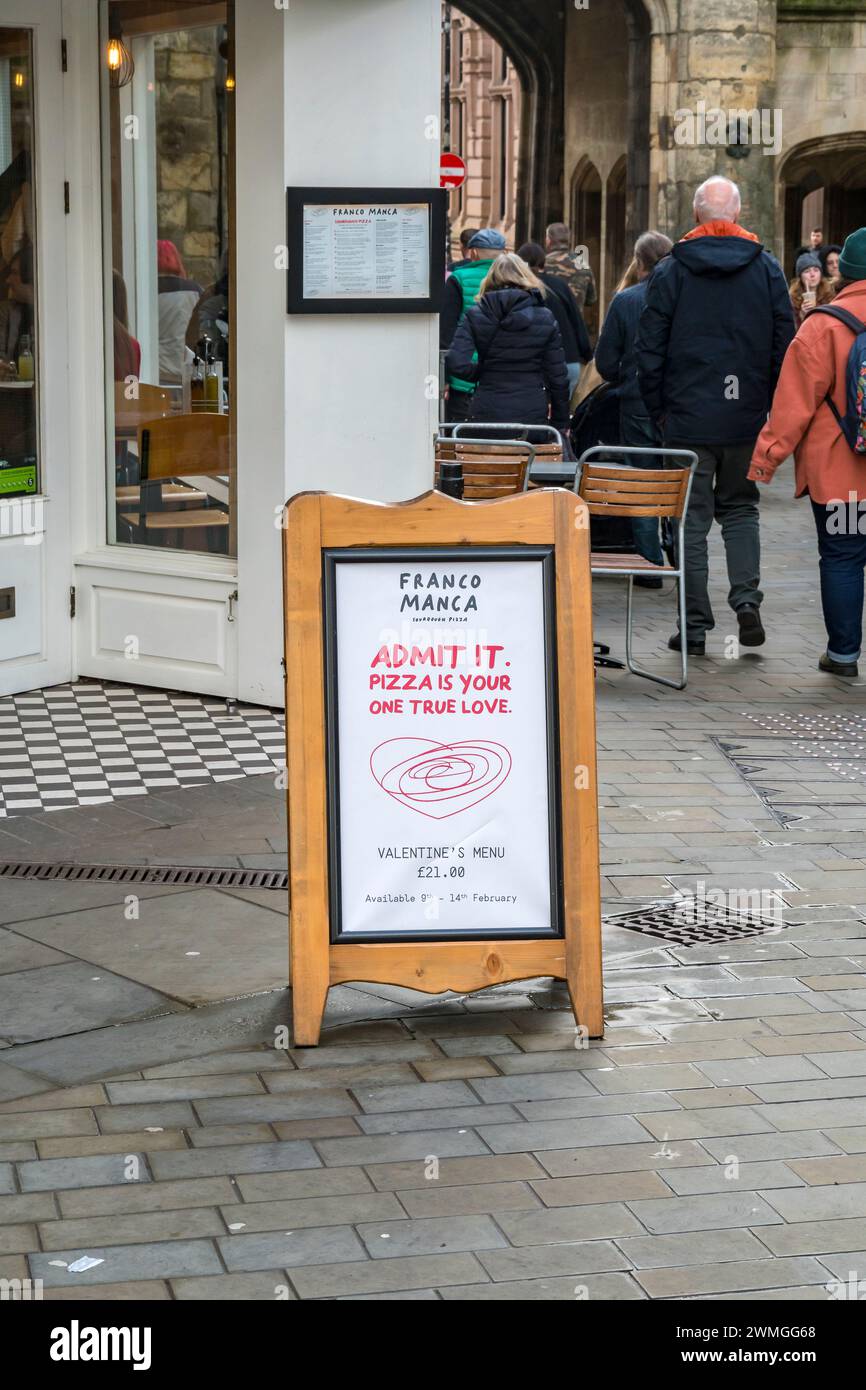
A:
{"points": [[717, 198]]}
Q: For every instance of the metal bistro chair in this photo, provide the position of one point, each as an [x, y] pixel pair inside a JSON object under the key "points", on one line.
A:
{"points": [[490, 469], [612, 489], [546, 440]]}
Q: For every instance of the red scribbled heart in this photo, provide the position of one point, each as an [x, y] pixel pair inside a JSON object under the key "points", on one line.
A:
{"points": [[439, 779]]}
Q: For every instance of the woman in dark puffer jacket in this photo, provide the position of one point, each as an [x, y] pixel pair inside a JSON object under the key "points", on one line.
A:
{"points": [[510, 344]]}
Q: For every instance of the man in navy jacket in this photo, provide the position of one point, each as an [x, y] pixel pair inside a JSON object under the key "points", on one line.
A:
{"points": [[712, 335]]}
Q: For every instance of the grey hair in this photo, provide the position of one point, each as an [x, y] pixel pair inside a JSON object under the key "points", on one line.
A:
{"points": [[717, 197]]}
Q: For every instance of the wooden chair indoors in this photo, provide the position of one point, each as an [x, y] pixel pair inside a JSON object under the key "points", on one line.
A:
{"points": [[171, 449], [612, 489]]}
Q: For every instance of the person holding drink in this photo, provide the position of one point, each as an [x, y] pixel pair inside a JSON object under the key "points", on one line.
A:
{"points": [[810, 288]]}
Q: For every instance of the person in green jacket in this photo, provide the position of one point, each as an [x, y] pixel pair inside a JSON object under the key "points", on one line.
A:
{"points": [[461, 291]]}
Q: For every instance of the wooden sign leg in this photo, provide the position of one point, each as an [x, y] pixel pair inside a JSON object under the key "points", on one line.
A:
{"points": [[310, 977], [584, 978], [308, 1008]]}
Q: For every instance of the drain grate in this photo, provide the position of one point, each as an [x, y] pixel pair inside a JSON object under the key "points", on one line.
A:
{"points": [[150, 873], [687, 923]]}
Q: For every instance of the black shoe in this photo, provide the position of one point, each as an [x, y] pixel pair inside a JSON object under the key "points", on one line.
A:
{"points": [[837, 668], [693, 647], [752, 632], [649, 581]]}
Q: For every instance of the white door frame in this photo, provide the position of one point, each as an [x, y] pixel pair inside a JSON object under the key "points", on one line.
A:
{"points": [[173, 594], [35, 535]]}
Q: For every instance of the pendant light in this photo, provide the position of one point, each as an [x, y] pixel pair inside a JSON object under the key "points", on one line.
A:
{"points": [[121, 65]]}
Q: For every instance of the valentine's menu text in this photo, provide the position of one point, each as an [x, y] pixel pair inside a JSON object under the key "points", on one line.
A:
{"points": [[442, 710]]}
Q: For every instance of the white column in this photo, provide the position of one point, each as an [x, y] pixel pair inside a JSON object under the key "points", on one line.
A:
{"points": [[328, 93]]}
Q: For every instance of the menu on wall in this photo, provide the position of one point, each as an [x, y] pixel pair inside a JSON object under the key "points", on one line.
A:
{"points": [[366, 251], [442, 775]]}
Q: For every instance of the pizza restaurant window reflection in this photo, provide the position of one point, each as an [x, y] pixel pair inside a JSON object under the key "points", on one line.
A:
{"points": [[167, 155], [19, 344]]}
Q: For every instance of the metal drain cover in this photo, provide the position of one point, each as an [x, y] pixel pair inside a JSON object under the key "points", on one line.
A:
{"points": [[811, 724], [150, 873], [677, 924]]}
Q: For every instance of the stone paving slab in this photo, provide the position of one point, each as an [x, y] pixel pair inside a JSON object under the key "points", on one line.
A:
{"points": [[712, 1146], [53, 1000], [120, 1263]]}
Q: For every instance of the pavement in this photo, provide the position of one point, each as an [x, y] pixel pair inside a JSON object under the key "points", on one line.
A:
{"points": [[159, 1139]]}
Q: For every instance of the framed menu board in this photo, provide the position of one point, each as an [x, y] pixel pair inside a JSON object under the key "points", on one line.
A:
{"points": [[440, 735], [365, 250], [440, 674]]}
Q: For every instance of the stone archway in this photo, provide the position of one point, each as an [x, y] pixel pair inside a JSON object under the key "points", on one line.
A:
{"points": [[533, 34], [585, 215], [835, 166], [530, 32]]}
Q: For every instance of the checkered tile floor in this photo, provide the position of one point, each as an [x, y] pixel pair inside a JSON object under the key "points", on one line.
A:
{"points": [[86, 744]]}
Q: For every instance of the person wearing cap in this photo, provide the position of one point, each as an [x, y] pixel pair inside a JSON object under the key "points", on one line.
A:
{"points": [[810, 288], [826, 469], [461, 292]]}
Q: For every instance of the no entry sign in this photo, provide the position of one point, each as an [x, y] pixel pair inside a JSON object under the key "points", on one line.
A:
{"points": [[452, 170]]}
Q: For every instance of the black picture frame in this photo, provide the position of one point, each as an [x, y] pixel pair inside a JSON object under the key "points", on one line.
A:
{"points": [[543, 554], [297, 198]]}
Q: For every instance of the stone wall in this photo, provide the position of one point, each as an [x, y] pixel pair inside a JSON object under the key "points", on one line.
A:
{"points": [[722, 54], [188, 71]]}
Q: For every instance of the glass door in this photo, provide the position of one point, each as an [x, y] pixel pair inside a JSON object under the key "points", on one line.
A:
{"points": [[35, 554], [157, 585], [167, 88]]}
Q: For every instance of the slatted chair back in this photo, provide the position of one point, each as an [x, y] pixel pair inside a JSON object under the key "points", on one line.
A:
{"points": [[549, 453], [617, 490], [489, 470]]}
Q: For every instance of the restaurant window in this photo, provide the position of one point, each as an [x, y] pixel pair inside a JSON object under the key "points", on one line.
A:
{"points": [[19, 341], [167, 139]]}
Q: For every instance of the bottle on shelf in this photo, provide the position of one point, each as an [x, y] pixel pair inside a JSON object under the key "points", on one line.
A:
{"points": [[196, 384], [26, 363], [212, 385]]}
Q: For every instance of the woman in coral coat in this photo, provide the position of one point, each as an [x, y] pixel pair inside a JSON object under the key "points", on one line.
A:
{"points": [[826, 469]]}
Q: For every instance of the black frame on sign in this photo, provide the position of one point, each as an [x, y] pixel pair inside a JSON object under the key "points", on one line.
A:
{"points": [[298, 198], [543, 554]]}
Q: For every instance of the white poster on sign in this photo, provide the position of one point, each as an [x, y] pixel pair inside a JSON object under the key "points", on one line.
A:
{"points": [[366, 251], [441, 721]]}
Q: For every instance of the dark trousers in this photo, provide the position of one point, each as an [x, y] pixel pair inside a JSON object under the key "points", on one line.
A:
{"points": [[639, 429], [842, 558], [721, 492], [458, 405]]}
